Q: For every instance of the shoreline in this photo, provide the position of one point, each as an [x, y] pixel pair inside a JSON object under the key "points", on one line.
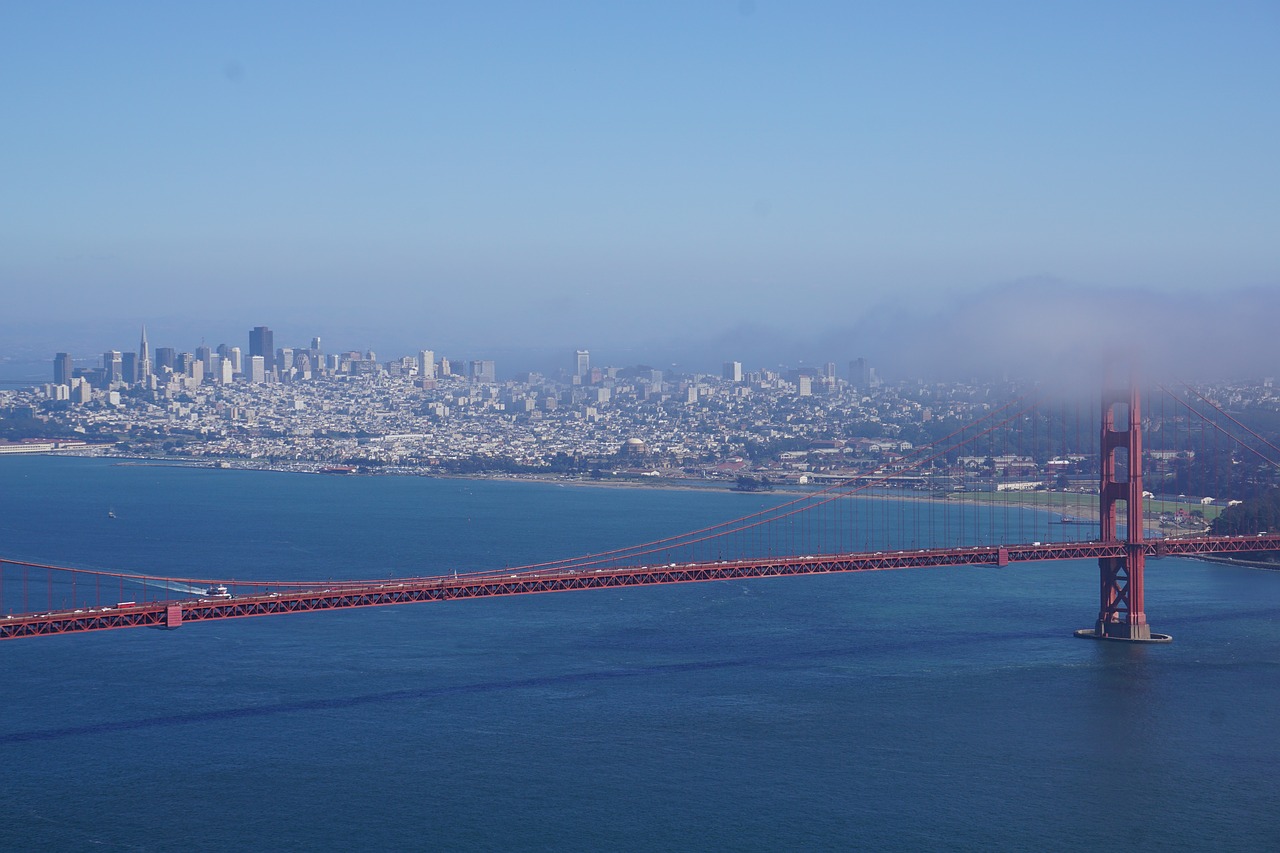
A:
{"points": [[653, 483]]}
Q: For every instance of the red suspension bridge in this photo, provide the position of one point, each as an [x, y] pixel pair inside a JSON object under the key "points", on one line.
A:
{"points": [[979, 495]]}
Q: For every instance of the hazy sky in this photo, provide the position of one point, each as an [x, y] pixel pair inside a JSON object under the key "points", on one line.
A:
{"points": [[533, 175]]}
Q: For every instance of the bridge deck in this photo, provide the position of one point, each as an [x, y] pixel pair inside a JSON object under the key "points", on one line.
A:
{"points": [[379, 593]]}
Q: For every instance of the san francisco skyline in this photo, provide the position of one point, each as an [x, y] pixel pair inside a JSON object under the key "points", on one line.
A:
{"points": [[529, 178]]}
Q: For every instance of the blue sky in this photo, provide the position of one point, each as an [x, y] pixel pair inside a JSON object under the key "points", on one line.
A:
{"points": [[613, 174]]}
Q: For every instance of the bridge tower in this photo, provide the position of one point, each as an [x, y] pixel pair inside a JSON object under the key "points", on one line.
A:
{"points": [[1121, 615]]}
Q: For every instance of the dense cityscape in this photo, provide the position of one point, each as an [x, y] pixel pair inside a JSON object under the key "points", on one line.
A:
{"points": [[734, 425], [302, 409]]}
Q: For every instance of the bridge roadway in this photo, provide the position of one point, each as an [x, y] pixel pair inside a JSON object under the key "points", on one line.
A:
{"points": [[379, 593]]}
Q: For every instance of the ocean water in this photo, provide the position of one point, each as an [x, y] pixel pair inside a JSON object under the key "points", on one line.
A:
{"points": [[927, 709]]}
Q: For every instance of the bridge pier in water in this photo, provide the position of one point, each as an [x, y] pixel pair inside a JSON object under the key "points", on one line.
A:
{"points": [[1122, 615]]}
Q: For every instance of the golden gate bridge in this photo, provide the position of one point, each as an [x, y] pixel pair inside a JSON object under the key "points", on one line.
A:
{"points": [[860, 524]]}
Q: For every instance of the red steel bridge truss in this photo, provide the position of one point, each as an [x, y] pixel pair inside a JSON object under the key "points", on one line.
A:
{"points": [[912, 512]]}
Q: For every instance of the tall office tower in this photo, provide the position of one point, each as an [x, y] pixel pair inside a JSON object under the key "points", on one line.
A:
{"points": [[316, 357], [226, 370], [860, 374], [733, 371], [144, 357], [262, 342], [829, 370], [237, 360], [185, 363], [582, 364], [166, 359], [111, 366], [129, 369], [482, 371], [257, 372], [427, 364], [444, 366], [204, 355], [62, 369], [284, 360]]}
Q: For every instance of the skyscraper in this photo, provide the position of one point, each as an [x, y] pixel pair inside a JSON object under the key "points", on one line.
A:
{"points": [[129, 369], [427, 364], [62, 369], [262, 342], [583, 366], [204, 355], [732, 371], [166, 357], [112, 368], [860, 374], [144, 357]]}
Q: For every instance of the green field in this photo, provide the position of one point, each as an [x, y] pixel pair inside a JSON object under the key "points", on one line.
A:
{"points": [[1070, 503]]}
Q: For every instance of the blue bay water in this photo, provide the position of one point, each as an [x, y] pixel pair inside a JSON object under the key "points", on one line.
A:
{"points": [[940, 708]]}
